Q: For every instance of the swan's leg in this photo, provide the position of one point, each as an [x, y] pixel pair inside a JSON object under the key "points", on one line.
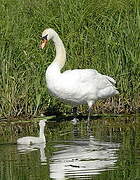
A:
{"points": [[75, 120], [89, 113], [90, 104], [89, 130], [74, 110]]}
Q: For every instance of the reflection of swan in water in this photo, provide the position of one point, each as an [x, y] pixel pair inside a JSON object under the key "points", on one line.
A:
{"points": [[34, 140], [83, 158], [25, 148]]}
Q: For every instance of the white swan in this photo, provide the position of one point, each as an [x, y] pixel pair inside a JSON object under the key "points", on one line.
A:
{"points": [[34, 140], [78, 86]]}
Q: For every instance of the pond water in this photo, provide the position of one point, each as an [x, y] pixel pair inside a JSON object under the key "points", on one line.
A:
{"points": [[109, 149]]}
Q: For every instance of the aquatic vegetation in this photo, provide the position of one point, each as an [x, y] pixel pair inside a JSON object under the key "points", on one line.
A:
{"points": [[102, 35]]}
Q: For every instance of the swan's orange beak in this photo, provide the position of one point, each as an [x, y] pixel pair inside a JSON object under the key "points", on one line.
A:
{"points": [[43, 43]]}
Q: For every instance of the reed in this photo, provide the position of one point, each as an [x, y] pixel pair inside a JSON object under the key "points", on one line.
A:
{"points": [[102, 35]]}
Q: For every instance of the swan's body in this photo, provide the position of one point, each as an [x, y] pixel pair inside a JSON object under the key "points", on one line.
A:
{"points": [[79, 86], [34, 140]]}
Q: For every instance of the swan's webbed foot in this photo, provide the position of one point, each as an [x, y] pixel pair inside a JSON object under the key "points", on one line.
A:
{"points": [[74, 121]]}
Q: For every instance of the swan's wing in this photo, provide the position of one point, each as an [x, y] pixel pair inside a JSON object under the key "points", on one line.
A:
{"points": [[80, 75], [87, 76], [74, 83], [81, 85]]}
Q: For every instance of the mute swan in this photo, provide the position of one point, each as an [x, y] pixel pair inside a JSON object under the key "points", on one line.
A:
{"points": [[78, 86], [34, 140]]}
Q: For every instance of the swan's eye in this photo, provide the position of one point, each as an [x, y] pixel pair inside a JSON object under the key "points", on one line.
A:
{"points": [[44, 37]]}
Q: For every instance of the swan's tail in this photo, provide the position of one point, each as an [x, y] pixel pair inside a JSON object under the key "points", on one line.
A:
{"points": [[110, 79], [110, 90], [113, 82]]}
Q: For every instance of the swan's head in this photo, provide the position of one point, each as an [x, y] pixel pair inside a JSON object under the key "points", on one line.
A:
{"points": [[46, 36], [42, 122]]}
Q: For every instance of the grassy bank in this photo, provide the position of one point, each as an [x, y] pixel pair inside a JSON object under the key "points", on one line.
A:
{"points": [[102, 35]]}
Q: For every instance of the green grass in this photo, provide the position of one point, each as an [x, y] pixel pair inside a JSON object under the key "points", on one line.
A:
{"points": [[103, 35]]}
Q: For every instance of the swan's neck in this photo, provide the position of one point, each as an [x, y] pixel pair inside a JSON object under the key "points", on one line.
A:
{"points": [[41, 133], [60, 57]]}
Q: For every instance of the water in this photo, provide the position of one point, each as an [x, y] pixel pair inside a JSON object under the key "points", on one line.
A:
{"points": [[83, 158], [110, 150]]}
